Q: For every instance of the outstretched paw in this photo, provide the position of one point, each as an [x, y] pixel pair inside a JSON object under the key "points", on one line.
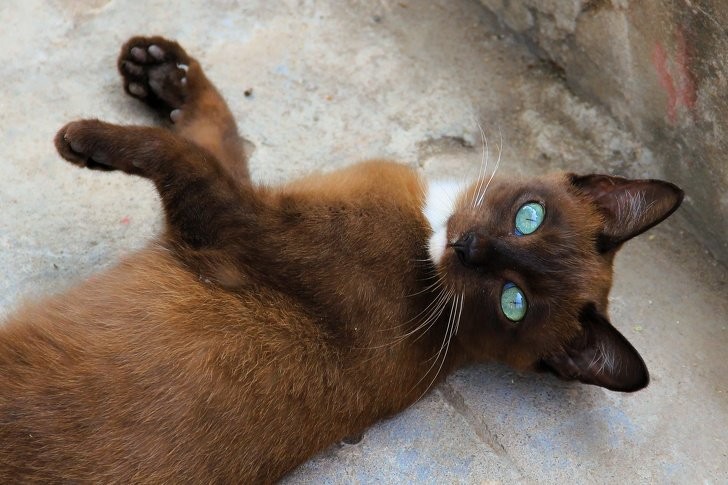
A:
{"points": [[154, 70], [78, 143]]}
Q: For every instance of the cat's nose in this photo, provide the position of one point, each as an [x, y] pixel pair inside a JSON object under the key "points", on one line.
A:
{"points": [[471, 249]]}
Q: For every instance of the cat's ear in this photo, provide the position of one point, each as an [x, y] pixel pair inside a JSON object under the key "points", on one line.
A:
{"points": [[629, 207], [600, 356]]}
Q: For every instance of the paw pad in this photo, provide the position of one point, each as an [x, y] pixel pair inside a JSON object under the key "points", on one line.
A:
{"points": [[155, 71]]}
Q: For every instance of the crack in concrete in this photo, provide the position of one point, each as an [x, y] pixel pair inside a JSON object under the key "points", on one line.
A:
{"points": [[457, 401], [445, 144], [481, 429]]}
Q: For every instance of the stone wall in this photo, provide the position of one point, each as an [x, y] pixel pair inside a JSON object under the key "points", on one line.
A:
{"points": [[661, 68]]}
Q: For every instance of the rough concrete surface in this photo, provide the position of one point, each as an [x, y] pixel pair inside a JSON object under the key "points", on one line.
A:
{"points": [[661, 68], [337, 81]]}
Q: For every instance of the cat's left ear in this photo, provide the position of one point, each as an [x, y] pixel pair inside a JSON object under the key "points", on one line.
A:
{"points": [[600, 356], [629, 207]]}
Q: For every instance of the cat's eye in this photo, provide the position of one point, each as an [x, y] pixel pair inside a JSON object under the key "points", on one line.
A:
{"points": [[529, 217], [513, 302]]}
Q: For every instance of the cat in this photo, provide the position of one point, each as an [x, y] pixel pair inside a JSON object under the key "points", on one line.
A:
{"points": [[266, 323]]}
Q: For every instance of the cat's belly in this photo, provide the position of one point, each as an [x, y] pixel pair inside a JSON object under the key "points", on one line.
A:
{"points": [[145, 372]]}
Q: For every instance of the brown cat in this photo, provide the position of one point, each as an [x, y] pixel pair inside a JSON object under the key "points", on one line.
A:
{"points": [[266, 323]]}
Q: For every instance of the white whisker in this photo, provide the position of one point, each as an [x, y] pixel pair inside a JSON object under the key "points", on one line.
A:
{"points": [[435, 315], [483, 165], [460, 313], [497, 164], [440, 303], [434, 303], [440, 281], [427, 308], [436, 357], [432, 322], [449, 333]]}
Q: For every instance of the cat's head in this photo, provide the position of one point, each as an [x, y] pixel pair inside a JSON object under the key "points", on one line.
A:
{"points": [[530, 263]]}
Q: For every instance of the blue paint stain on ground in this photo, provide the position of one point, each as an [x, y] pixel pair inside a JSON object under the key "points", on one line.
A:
{"points": [[672, 469], [585, 435], [283, 70], [9, 133]]}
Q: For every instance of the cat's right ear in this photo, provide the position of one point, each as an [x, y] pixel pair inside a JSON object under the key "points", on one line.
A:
{"points": [[629, 207], [601, 356]]}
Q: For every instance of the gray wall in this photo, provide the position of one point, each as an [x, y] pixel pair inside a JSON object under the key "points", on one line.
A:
{"points": [[661, 68]]}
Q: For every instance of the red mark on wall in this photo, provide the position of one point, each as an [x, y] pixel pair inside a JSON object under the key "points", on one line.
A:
{"points": [[659, 59], [125, 220], [683, 60], [675, 77]]}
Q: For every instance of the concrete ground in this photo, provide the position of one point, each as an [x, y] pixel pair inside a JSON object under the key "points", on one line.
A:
{"points": [[337, 81]]}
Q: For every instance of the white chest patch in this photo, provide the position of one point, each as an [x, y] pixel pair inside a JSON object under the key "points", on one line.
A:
{"points": [[440, 203]]}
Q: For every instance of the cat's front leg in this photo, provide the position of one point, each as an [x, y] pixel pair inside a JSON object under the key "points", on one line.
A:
{"points": [[136, 150], [201, 200], [160, 73]]}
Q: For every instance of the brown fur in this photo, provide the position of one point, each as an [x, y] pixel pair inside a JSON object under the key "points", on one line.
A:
{"points": [[267, 323]]}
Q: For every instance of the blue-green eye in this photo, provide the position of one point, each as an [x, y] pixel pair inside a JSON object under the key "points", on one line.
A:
{"points": [[529, 217], [513, 302]]}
